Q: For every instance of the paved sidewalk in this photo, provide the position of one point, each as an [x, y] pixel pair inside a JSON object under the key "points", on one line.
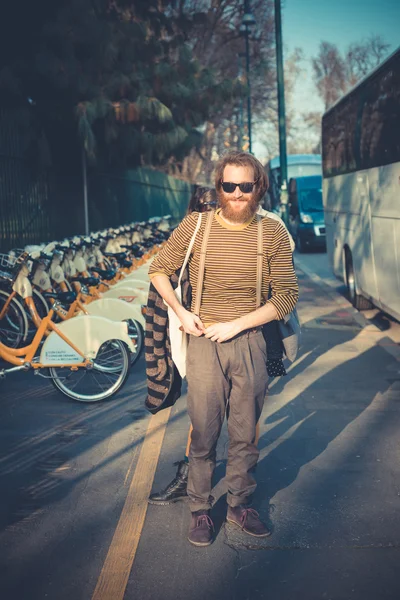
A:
{"points": [[75, 480], [328, 480]]}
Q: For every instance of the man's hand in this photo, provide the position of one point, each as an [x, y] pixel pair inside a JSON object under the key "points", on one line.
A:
{"points": [[191, 323], [221, 332]]}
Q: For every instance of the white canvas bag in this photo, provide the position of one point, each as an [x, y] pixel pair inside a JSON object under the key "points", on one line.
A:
{"points": [[178, 338]]}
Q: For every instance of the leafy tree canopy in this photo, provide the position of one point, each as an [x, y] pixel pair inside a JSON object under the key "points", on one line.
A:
{"points": [[124, 76]]}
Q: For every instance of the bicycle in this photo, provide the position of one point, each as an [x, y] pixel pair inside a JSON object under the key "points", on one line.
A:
{"points": [[86, 302], [87, 357]]}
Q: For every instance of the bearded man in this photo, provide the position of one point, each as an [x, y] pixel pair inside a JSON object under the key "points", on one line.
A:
{"points": [[226, 359]]}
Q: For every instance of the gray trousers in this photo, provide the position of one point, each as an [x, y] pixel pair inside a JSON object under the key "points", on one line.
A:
{"points": [[224, 377]]}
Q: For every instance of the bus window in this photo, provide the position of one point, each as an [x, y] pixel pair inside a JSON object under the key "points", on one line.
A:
{"points": [[361, 131], [381, 118]]}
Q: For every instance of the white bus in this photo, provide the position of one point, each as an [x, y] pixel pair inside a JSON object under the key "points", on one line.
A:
{"points": [[361, 188]]}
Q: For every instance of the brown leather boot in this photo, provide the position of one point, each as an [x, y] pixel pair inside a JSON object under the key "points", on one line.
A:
{"points": [[201, 528], [248, 520]]}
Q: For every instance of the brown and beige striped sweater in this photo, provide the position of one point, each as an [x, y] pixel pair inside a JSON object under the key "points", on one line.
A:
{"points": [[229, 288]]}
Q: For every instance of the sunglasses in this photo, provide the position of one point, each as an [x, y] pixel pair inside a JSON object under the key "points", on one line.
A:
{"points": [[246, 187], [205, 206]]}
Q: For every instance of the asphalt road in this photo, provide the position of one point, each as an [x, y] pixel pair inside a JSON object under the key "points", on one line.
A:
{"points": [[74, 478]]}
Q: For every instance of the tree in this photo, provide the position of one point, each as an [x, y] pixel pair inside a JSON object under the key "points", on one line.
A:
{"points": [[329, 73], [120, 74], [219, 45], [335, 74], [363, 57]]}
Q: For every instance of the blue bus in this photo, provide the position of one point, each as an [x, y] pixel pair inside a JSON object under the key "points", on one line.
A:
{"points": [[298, 165], [306, 220]]}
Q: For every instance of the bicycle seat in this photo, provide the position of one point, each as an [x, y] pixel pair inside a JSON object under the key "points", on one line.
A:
{"points": [[106, 274], [90, 281], [116, 255], [137, 250], [126, 263], [63, 297]]}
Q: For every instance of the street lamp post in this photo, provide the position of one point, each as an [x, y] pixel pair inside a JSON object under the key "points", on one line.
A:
{"points": [[281, 110], [247, 22], [240, 112], [85, 191]]}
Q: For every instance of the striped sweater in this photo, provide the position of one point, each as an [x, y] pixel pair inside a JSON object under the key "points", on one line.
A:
{"points": [[229, 288]]}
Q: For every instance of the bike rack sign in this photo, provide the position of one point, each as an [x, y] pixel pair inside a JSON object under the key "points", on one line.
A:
{"points": [[56, 351]]}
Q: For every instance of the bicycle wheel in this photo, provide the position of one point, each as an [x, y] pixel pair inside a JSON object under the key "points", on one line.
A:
{"points": [[136, 333], [14, 323], [42, 306], [109, 372]]}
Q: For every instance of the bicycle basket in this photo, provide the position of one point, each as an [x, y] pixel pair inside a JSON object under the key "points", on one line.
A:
{"points": [[13, 261], [6, 267], [7, 262]]}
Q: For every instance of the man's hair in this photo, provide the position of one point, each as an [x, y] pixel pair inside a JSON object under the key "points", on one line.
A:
{"points": [[243, 159]]}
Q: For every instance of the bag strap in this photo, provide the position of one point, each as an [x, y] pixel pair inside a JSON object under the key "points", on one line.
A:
{"points": [[203, 251], [259, 260], [189, 249]]}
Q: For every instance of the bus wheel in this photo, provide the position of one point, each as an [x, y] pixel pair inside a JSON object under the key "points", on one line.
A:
{"points": [[359, 302]]}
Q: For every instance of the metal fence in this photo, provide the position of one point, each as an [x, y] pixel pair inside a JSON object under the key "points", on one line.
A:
{"points": [[24, 192], [38, 205], [135, 195]]}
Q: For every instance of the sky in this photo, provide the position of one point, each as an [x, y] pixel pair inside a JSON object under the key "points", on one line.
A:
{"points": [[305, 23]]}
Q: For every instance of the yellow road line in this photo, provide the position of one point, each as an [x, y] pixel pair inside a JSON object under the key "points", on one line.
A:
{"points": [[114, 575], [128, 473]]}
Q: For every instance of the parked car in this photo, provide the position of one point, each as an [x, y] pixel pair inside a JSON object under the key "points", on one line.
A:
{"points": [[306, 212]]}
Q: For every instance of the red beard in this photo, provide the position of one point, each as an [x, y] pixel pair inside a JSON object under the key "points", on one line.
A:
{"points": [[249, 208]]}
